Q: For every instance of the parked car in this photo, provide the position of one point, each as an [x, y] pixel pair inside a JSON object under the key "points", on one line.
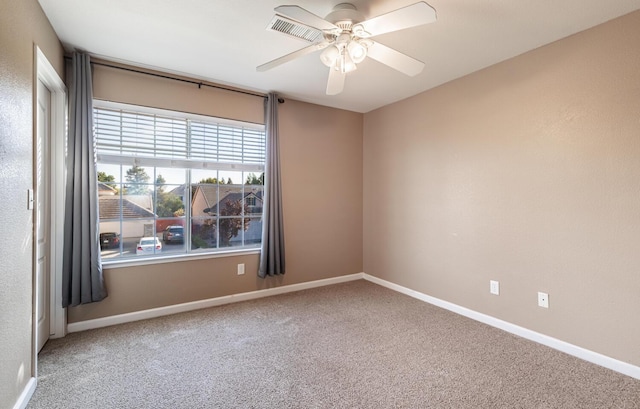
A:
{"points": [[173, 234], [148, 245], [109, 240]]}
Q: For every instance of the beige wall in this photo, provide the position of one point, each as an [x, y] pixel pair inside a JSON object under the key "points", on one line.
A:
{"points": [[22, 24], [527, 172], [321, 163]]}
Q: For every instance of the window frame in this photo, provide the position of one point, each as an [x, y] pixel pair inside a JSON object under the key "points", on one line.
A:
{"points": [[187, 253]]}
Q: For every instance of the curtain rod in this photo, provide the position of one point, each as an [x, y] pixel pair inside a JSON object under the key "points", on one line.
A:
{"points": [[198, 83]]}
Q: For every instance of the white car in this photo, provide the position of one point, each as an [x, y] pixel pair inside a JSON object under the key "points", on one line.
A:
{"points": [[149, 245]]}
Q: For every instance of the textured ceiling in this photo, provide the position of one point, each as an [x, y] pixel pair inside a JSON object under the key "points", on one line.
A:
{"points": [[224, 41]]}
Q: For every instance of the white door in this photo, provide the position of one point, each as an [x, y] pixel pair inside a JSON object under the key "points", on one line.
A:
{"points": [[42, 222]]}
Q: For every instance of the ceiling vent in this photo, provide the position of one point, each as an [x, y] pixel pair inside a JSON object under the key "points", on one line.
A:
{"points": [[294, 29]]}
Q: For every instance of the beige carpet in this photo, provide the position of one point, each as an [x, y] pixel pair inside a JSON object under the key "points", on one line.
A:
{"points": [[353, 345]]}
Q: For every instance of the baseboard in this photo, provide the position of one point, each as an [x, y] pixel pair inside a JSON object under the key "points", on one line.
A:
{"points": [[579, 352], [211, 302], [26, 394]]}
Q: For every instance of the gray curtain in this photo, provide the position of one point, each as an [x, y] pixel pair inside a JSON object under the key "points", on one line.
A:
{"points": [[82, 280], [272, 250]]}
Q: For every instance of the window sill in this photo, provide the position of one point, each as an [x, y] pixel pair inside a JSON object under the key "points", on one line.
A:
{"points": [[131, 262]]}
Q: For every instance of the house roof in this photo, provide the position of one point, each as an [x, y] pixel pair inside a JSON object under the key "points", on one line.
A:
{"points": [[144, 201], [178, 190], [110, 208], [104, 189], [210, 192]]}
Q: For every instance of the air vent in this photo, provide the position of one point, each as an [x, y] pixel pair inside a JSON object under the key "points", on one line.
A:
{"points": [[294, 29]]}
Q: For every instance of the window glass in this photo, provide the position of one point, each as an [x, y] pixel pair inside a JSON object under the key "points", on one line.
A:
{"points": [[171, 185], [110, 240]]}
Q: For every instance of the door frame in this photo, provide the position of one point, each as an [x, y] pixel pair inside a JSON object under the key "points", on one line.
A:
{"points": [[57, 146], [39, 201]]}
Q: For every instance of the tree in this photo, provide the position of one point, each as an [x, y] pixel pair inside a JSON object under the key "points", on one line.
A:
{"points": [[212, 181], [104, 178], [252, 179], [229, 228], [160, 181], [136, 176], [168, 204]]}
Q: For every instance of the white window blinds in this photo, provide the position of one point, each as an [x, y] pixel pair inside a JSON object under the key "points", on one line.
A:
{"points": [[157, 139]]}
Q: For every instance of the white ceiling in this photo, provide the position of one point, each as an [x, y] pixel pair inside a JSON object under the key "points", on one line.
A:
{"points": [[224, 41]]}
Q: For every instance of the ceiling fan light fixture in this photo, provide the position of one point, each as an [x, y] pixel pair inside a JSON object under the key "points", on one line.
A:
{"points": [[330, 55], [357, 51], [345, 63]]}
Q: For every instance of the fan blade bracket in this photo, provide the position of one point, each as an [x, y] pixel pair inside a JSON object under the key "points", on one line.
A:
{"points": [[359, 31]]}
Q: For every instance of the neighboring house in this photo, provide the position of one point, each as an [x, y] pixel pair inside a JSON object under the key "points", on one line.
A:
{"points": [[138, 211], [181, 192], [205, 205], [135, 209], [204, 197]]}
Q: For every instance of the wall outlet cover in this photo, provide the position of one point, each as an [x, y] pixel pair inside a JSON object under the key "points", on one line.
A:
{"points": [[494, 287], [543, 300]]}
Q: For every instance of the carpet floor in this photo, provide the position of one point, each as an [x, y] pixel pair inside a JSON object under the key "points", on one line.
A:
{"points": [[351, 345]]}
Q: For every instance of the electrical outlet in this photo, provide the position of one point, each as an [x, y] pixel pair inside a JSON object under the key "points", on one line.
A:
{"points": [[240, 269], [494, 287], [543, 300]]}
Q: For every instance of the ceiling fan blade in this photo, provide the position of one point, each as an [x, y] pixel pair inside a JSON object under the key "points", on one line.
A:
{"points": [[306, 17], [414, 15], [291, 56], [395, 59], [335, 85]]}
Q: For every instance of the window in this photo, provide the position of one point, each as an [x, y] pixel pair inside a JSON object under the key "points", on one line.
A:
{"points": [[171, 183]]}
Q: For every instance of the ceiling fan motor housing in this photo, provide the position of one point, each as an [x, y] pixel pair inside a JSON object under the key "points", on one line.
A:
{"points": [[345, 15]]}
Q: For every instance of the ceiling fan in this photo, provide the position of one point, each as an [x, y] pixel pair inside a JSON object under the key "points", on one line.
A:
{"points": [[345, 38]]}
